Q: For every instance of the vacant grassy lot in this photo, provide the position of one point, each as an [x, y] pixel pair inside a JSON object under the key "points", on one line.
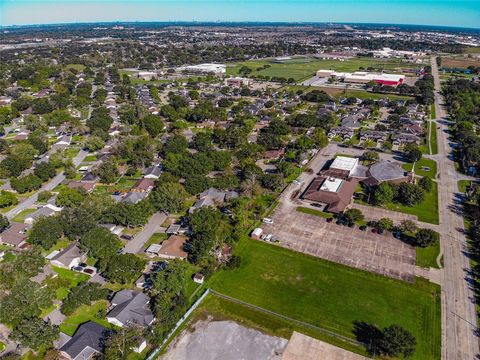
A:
{"points": [[423, 167], [427, 257], [459, 62], [426, 211], [332, 296], [299, 69]]}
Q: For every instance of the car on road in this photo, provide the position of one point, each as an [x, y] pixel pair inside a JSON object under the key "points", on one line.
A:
{"points": [[268, 221]]}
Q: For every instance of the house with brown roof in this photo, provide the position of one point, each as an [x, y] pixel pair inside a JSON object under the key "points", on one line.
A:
{"points": [[87, 186], [14, 235], [173, 248], [144, 185]]}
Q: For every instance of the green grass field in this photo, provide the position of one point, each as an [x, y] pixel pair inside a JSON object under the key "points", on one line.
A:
{"points": [[73, 277], [427, 257], [463, 185], [299, 69], [433, 139], [332, 296], [426, 211], [419, 167], [338, 93]]}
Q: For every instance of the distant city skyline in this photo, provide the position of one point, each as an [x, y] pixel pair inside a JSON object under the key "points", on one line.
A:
{"points": [[457, 13]]}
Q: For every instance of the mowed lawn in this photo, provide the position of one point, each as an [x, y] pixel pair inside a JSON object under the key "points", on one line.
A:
{"points": [[332, 296], [303, 68]]}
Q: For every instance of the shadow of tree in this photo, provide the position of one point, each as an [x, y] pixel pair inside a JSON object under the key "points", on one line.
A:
{"points": [[369, 335]]}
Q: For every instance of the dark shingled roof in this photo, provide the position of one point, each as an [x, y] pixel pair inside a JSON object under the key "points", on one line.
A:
{"points": [[88, 339]]}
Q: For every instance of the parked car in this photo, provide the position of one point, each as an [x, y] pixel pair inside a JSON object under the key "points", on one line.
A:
{"points": [[268, 221], [363, 227], [127, 237], [374, 230], [329, 220], [78, 268], [89, 271], [268, 237], [316, 205]]}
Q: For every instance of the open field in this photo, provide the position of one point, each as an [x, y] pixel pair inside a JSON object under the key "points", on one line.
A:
{"points": [[459, 62], [332, 296], [303, 68]]}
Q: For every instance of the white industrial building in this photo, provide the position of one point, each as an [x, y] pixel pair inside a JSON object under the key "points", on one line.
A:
{"points": [[205, 68]]}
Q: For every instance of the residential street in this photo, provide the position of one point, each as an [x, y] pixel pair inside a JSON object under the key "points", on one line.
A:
{"points": [[136, 244], [459, 318], [49, 186]]}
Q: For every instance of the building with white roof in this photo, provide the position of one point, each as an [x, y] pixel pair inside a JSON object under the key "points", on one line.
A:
{"points": [[205, 68], [363, 77], [344, 164]]}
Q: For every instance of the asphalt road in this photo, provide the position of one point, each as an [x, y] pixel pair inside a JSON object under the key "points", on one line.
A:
{"points": [[136, 244], [459, 318], [49, 186]]}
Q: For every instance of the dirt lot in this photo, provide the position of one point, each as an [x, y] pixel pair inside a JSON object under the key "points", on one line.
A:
{"points": [[459, 62], [312, 235], [223, 340]]}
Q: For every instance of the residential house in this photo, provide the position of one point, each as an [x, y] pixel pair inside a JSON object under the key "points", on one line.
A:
{"points": [[144, 185], [373, 135], [44, 211], [86, 186], [212, 197], [134, 197], [153, 172], [130, 308], [87, 342], [342, 132], [15, 235], [173, 248], [403, 139], [69, 257]]}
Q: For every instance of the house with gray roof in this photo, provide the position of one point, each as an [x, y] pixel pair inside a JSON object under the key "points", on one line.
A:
{"points": [[134, 197], [87, 342], [386, 171], [69, 257], [130, 307]]}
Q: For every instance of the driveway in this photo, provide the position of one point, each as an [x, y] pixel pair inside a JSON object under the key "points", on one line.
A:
{"points": [[136, 244]]}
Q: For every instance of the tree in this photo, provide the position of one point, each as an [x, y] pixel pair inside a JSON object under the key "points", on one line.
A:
{"points": [[353, 215], [70, 197], [77, 221], [398, 341], [371, 156], [383, 194], [408, 226], [83, 294], [101, 243], [426, 183], [107, 171], [410, 194], [319, 138], [7, 198], [35, 333], [124, 268], [171, 280], [44, 196], [426, 237], [45, 171], [4, 223], [153, 124], [46, 231], [25, 301], [94, 143], [384, 224], [128, 214], [119, 345], [100, 120], [412, 152], [26, 183], [210, 229], [169, 197], [176, 144]]}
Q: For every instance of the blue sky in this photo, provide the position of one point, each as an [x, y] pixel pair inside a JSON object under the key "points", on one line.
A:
{"points": [[462, 13]]}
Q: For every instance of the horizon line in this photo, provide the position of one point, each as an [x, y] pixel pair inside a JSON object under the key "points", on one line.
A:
{"points": [[213, 22]]}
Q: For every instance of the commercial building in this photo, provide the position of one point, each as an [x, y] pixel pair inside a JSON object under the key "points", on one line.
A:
{"points": [[205, 68], [363, 77]]}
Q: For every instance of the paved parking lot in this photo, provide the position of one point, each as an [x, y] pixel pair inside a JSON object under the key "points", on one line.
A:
{"points": [[312, 235]]}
